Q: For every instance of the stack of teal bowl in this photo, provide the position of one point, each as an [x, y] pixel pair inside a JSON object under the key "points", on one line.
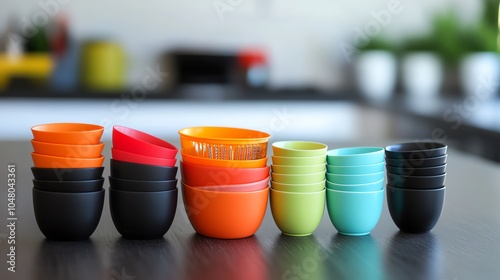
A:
{"points": [[298, 186], [355, 188]]}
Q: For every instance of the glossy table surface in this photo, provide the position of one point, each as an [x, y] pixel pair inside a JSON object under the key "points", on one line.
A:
{"points": [[465, 244]]}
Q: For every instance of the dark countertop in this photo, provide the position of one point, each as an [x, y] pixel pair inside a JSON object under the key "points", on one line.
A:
{"points": [[465, 244]]}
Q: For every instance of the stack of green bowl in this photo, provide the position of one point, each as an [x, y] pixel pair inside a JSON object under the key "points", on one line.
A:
{"points": [[298, 186], [355, 188]]}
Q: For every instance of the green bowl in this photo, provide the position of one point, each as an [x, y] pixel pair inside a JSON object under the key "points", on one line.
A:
{"points": [[298, 169], [297, 214], [299, 149], [370, 187], [355, 156], [355, 179], [356, 169], [298, 178], [313, 187], [278, 160]]}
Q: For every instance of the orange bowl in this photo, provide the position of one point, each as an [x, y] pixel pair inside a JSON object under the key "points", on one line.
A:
{"points": [[255, 163], [45, 161], [67, 150], [248, 187], [225, 215], [68, 133], [204, 175]]}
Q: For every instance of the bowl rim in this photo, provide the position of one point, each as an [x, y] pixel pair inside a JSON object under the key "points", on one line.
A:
{"points": [[70, 193], [70, 182], [298, 175], [279, 145], [94, 127], [357, 185], [298, 158], [297, 193], [419, 168], [322, 182], [38, 142], [184, 133], [417, 176], [184, 185], [358, 193], [142, 181], [357, 166], [417, 190], [439, 146], [355, 175], [143, 192], [142, 165], [65, 158], [370, 150], [197, 165]]}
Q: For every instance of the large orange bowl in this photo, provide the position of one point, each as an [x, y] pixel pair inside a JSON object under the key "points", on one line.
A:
{"points": [[45, 161], [204, 175], [68, 133], [225, 215], [254, 163], [247, 187], [67, 150]]}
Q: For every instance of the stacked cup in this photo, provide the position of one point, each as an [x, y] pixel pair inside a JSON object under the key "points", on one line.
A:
{"points": [[143, 185], [355, 188], [67, 195], [416, 174], [224, 180], [298, 186]]}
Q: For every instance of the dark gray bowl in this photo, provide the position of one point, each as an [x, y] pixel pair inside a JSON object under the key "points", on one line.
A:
{"points": [[416, 182], [417, 162], [141, 172], [142, 215], [141, 186], [69, 186], [417, 171], [415, 210], [67, 174], [67, 216], [416, 150]]}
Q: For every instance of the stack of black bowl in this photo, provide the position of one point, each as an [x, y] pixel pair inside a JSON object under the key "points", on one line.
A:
{"points": [[416, 175]]}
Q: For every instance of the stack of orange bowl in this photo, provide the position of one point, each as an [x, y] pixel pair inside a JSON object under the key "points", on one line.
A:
{"points": [[225, 180], [143, 175], [67, 195]]}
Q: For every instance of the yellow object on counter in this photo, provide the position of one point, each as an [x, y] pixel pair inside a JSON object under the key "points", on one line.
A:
{"points": [[30, 65]]}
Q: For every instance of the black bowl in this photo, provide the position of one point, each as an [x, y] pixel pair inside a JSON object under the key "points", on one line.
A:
{"points": [[416, 171], [416, 182], [141, 186], [416, 150], [142, 215], [67, 174], [416, 162], [415, 210], [69, 186], [67, 216], [141, 172]]}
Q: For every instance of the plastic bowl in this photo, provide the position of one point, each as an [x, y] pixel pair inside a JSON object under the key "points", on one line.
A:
{"points": [[136, 158], [369, 187], [297, 213], [415, 210], [312, 187], [416, 171], [142, 172], [225, 143], [298, 178], [68, 216], [142, 215], [416, 150], [69, 186], [417, 162], [203, 175], [68, 133], [138, 142], [416, 182], [355, 179], [298, 149], [298, 169], [356, 169], [45, 161], [355, 156], [67, 150], [67, 174], [277, 160], [225, 215], [354, 213], [141, 186], [255, 163], [247, 187]]}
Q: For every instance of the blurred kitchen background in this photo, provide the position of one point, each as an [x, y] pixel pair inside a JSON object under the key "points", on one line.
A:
{"points": [[338, 71]]}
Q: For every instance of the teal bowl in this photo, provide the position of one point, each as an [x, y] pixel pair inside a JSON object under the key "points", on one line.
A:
{"points": [[355, 156], [354, 213], [370, 187], [356, 169], [355, 179]]}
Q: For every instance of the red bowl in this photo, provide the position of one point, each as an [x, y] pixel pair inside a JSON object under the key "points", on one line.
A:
{"points": [[204, 175], [136, 158], [138, 142]]}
